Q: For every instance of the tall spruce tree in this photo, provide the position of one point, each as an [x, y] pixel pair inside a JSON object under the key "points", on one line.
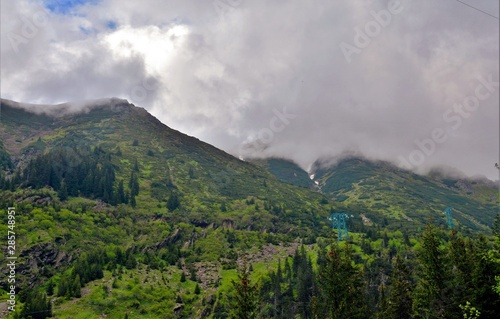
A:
{"points": [[430, 297], [400, 303], [245, 305], [341, 287]]}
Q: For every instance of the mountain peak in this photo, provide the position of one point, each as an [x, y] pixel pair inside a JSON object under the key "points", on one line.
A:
{"points": [[69, 108]]}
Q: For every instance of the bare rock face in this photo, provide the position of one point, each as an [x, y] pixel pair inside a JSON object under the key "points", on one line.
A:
{"points": [[464, 186], [33, 262]]}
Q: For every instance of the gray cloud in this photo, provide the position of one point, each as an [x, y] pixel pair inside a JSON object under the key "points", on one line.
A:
{"points": [[221, 71]]}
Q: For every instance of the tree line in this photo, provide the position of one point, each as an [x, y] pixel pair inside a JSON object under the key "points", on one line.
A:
{"points": [[444, 276], [76, 172]]}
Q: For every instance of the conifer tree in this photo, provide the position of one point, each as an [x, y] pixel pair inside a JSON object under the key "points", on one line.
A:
{"points": [[63, 192], [36, 306], [341, 288], [399, 305], [245, 305], [430, 299], [77, 287]]}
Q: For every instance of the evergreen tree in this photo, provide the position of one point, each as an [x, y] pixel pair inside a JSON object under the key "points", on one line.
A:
{"points": [[173, 202], [277, 293], [383, 303], [63, 192], [36, 306], [486, 265], [133, 185], [341, 293], [399, 305], [245, 305], [63, 286], [77, 287], [461, 269], [50, 288], [496, 226], [131, 262], [430, 298], [120, 193]]}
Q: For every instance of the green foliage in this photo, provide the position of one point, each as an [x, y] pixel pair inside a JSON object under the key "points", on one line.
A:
{"points": [[431, 299], [191, 206], [245, 304], [36, 306], [173, 202], [288, 172], [400, 302], [340, 286], [469, 311]]}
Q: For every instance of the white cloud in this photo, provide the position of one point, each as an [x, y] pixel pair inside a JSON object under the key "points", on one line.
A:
{"points": [[218, 72]]}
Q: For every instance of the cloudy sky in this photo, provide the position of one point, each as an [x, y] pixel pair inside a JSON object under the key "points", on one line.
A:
{"points": [[414, 82]]}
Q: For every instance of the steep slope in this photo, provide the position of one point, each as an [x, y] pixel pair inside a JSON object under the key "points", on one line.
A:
{"points": [[286, 171], [169, 162], [380, 189], [118, 215], [112, 185]]}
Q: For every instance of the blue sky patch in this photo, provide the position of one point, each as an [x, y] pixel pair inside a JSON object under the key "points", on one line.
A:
{"points": [[111, 25], [66, 6]]}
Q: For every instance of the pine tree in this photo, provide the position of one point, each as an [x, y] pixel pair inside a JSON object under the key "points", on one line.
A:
{"points": [[383, 303], [399, 305], [36, 306], [132, 201], [496, 226], [341, 293], [120, 193], [63, 192], [277, 293], [133, 185], [77, 287], [173, 202], [430, 298], [50, 288], [486, 265], [245, 305], [197, 289], [461, 270]]}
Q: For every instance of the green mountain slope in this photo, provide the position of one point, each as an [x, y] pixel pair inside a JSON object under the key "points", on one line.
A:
{"points": [[120, 216], [286, 171], [404, 198], [114, 186]]}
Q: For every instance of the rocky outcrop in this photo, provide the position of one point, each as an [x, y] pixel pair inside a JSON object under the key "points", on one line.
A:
{"points": [[37, 261]]}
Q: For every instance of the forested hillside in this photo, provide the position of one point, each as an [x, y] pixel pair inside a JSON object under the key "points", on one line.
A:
{"points": [[119, 216]]}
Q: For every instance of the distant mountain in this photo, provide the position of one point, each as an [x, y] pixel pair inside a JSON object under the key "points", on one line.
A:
{"points": [[380, 188], [118, 215], [286, 171], [168, 163], [393, 197]]}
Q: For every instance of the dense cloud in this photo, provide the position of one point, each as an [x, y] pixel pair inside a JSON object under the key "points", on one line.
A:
{"points": [[299, 79]]}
